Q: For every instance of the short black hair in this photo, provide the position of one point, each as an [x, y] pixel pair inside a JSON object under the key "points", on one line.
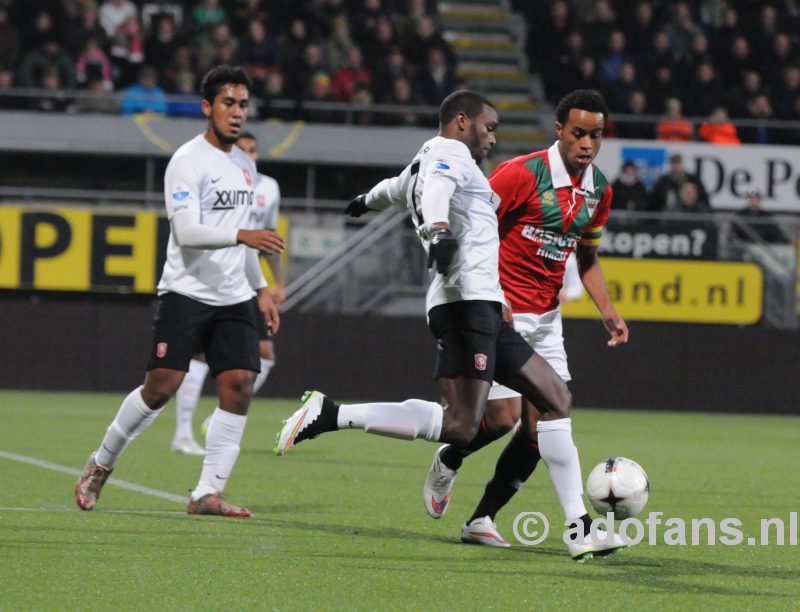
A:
{"points": [[585, 99], [222, 75], [463, 101], [248, 136]]}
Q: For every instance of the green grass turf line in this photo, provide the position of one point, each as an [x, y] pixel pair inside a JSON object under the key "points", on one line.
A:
{"points": [[339, 522]]}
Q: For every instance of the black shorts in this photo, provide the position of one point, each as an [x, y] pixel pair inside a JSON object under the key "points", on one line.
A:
{"points": [[228, 335], [475, 342]]}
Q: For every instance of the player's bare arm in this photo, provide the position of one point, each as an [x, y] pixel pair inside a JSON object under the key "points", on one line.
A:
{"points": [[594, 280], [278, 287], [269, 309], [266, 241]]}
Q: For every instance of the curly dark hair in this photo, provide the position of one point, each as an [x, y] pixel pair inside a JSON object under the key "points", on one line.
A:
{"points": [[222, 75], [585, 99]]}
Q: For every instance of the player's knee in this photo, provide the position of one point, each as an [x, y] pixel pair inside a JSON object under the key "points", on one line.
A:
{"points": [[501, 416], [238, 387], [562, 404], [462, 432]]}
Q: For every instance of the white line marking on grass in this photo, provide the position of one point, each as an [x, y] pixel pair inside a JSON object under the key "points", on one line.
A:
{"points": [[123, 484]]}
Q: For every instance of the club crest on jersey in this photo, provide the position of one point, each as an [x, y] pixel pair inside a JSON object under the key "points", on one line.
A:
{"points": [[161, 350], [248, 177], [549, 198], [261, 201], [591, 203], [480, 361]]}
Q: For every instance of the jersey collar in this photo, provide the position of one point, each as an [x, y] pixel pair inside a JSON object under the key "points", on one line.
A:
{"points": [[558, 171]]}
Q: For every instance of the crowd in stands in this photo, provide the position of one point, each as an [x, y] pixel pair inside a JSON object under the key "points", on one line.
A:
{"points": [[357, 51], [714, 59]]}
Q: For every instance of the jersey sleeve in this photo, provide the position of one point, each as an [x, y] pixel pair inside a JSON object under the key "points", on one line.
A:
{"points": [[451, 159], [593, 232], [507, 181], [390, 192], [274, 207], [182, 188]]}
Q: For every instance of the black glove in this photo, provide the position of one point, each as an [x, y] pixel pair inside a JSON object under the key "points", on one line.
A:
{"points": [[442, 249], [357, 206]]}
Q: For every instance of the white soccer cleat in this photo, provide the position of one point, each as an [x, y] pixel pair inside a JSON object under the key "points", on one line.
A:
{"points": [[316, 415], [438, 484], [601, 546], [483, 531], [187, 446]]}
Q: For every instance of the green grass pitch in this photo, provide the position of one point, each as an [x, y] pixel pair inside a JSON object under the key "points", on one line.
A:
{"points": [[339, 522]]}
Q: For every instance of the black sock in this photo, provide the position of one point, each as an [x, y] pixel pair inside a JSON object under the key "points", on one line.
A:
{"points": [[514, 466], [453, 457]]}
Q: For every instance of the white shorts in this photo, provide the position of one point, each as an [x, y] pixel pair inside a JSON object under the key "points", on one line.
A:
{"points": [[543, 333]]}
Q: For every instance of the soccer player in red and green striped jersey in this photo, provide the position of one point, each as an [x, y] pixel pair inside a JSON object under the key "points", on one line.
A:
{"points": [[553, 201]]}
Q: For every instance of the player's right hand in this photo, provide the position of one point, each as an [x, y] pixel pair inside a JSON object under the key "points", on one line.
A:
{"points": [[266, 241], [357, 206], [442, 249]]}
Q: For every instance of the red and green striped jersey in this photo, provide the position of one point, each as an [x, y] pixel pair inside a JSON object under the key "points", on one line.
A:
{"points": [[543, 214]]}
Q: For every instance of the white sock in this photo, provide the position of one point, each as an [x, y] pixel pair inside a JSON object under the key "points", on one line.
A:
{"points": [[133, 417], [187, 397], [405, 420], [266, 366], [561, 456], [222, 449]]}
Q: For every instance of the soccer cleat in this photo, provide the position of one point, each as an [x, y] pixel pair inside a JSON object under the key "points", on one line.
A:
{"points": [[216, 505], [187, 446], [483, 531], [88, 487], [438, 484], [601, 546], [316, 415]]}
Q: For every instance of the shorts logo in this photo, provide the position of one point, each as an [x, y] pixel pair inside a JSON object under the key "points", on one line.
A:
{"points": [[248, 177], [161, 350], [480, 361]]}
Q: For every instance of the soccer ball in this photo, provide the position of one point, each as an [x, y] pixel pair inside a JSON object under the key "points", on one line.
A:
{"points": [[618, 485]]}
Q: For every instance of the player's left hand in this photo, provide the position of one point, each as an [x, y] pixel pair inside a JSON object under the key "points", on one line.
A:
{"points": [[278, 294], [357, 206], [618, 329], [270, 311]]}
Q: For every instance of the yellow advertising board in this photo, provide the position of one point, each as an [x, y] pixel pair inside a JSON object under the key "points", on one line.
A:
{"points": [[679, 290]]}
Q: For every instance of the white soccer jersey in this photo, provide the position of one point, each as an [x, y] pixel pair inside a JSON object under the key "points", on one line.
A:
{"points": [[264, 212], [217, 187], [473, 274]]}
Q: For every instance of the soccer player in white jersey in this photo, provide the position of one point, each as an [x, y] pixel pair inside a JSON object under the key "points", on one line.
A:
{"points": [[454, 210], [204, 297], [263, 215]]}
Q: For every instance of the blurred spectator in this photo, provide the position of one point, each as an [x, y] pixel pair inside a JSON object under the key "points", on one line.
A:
{"points": [[759, 110], [587, 74], [660, 88], [405, 17], [748, 88], [102, 101], [86, 27], [127, 51], [681, 30], [546, 34], [326, 13], [786, 92], [689, 200], [417, 47], [723, 35], [437, 79], [641, 30], [187, 100], [180, 61], [615, 56], [660, 54], [673, 126], [699, 52], [114, 13], [561, 74], [145, 96], [718, 129], [738, 59], [43, 60], [630, 193], [706, 91], [9, 41], [380, 45], [364, 18], [766, 28], [631, 127], [55, 100], [393, 67], [42, 30], [300, 74], [351, 76], [618, 93], [258, 52], [274, 89], [208, 48], [665, 194], [8, 102], [339, 42], [362, 97], [160, 45], [273, 14], [758, 220], [293, 44], [781, 54], [401, 94], [599, 21], [319, 90], [93, 63], [206, 14]]}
